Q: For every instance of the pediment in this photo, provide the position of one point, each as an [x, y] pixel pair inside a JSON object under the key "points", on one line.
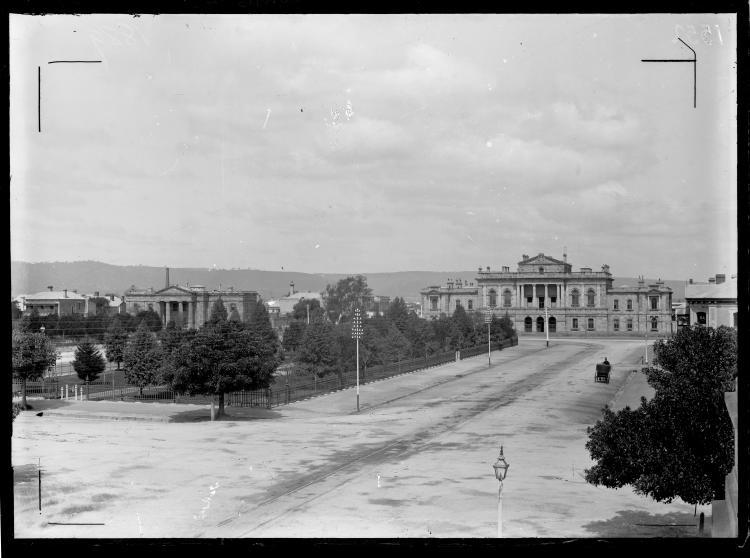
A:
{"points": [[174, 290], [541, 260]]}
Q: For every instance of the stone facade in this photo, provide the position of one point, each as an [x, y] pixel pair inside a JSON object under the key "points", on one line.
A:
{"points": [[546, 290], [189, 306]]}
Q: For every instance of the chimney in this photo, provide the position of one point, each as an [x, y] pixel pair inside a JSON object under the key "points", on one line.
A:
{"points": [[720, 278], [691, 281], [291, 288], [112, 297], [166, 282], [565, 254], [66, 292], [96, 293], [480, 269], [488, 268], [50, 287], [712, 280], [524, 257]]}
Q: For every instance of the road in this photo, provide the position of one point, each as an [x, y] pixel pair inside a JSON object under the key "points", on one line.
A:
{"points": [[415, 462]]}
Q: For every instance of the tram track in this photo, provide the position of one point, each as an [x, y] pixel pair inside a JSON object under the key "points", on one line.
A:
{"points": [[275, 507]]}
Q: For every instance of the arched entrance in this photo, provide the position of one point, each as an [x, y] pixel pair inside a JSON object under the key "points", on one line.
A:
{"points": [[527, 323], [540, 324], [552, 325]]}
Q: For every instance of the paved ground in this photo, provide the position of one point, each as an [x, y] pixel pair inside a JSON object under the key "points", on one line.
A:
{"points": [[415, 462]]}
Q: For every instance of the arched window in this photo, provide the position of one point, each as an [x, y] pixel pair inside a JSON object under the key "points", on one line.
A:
{"points": [[527, 324], [493, 298], [630, 304], [630, 324], [654, 323], [506, 297], [470, 304], [616, 324], [591, 323], [575, 297], [540, 324], [552, 324], [590, 297]]}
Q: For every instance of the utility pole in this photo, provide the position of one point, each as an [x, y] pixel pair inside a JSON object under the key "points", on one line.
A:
{"points": [[546, 324]]}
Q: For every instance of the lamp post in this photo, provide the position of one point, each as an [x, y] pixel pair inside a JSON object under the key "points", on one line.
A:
{"points": [[501, 471], [546, 322], [357, 334], [488, 320]]}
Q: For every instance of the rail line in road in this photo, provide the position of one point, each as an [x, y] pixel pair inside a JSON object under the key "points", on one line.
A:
{"points": [[273, 508]]}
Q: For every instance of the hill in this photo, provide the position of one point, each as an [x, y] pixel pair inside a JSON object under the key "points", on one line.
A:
{"points": [[92, 276]]}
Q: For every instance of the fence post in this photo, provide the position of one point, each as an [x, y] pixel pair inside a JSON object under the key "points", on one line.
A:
{"points": [[268, 395]]}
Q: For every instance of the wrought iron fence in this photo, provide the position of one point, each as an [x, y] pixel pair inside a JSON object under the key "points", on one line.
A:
{"points": [[294, 385]]}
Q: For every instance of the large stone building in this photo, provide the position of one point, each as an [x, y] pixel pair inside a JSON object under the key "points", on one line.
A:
{"points": [[582, 302], [189, 306]]}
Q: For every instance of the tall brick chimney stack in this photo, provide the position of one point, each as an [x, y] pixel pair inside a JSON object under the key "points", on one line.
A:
{"points": [[291, 288], [166, 282]]}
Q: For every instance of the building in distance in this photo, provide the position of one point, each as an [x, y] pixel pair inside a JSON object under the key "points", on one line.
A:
{"points": [[713, 303]]}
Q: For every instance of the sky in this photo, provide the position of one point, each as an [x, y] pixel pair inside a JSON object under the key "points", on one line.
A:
{"points": [[375, 143]]}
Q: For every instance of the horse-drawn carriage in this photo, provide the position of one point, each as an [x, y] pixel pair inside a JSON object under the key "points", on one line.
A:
{"points": [[602, 371]]}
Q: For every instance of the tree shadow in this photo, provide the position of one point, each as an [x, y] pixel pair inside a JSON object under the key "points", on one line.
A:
{"points": [[633, 523], [232, 414]]}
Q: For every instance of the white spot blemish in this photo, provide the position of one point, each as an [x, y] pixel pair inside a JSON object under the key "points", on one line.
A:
{"points": [[268, 114], [489, 144], [378, 481]]}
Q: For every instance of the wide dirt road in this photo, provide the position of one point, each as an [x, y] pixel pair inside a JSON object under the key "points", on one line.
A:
{"points": [[415, 462]]}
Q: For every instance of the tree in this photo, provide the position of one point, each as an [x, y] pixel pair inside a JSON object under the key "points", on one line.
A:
{"points": [[33, 355], [300, 310], [398, 313], [223, 357], [681, 442], [151, 318], [114, 343], [293, 335], [218, 312], [342, 298], [318, 351], [462, 332], [31, 321], [100, 304], [15, 312], [88, 363], [142, 358]]}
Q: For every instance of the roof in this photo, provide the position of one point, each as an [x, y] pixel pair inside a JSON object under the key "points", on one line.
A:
{"points": [[303, 294], [54, 295], [542, 259], [727, 289]]}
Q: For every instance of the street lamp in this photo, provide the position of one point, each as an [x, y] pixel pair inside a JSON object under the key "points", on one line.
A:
{"points": [[488, 320], [501, 471], [546, 324], [357, 334]]}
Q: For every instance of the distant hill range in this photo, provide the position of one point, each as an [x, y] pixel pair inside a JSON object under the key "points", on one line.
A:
{"points": [[91, 276]]}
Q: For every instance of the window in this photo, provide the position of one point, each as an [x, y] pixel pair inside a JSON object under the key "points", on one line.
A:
{"points": [[630, 304], [575, 323], [591, 323], [541, 269], [527, 325], [471, 304], [150, 306], [506, 298], [541, 302], [540, 324], [630, 324], [590, 297], [616, 304], [574, 297], [458, 304], [654, 302], [701, 316], [654, 324], [616, 324], [433, 303], [493, 298]]}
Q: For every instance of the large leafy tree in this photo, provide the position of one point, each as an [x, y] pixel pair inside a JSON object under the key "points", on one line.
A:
{"points": [[88, 363], [142, 358], [462, 332], [222, 357], [151, 318], [114, 343], [308, 307], [293, 335], [398, 313], [318, 351], [218, 312], [341, 299], [681, 442], [33, 354]]}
